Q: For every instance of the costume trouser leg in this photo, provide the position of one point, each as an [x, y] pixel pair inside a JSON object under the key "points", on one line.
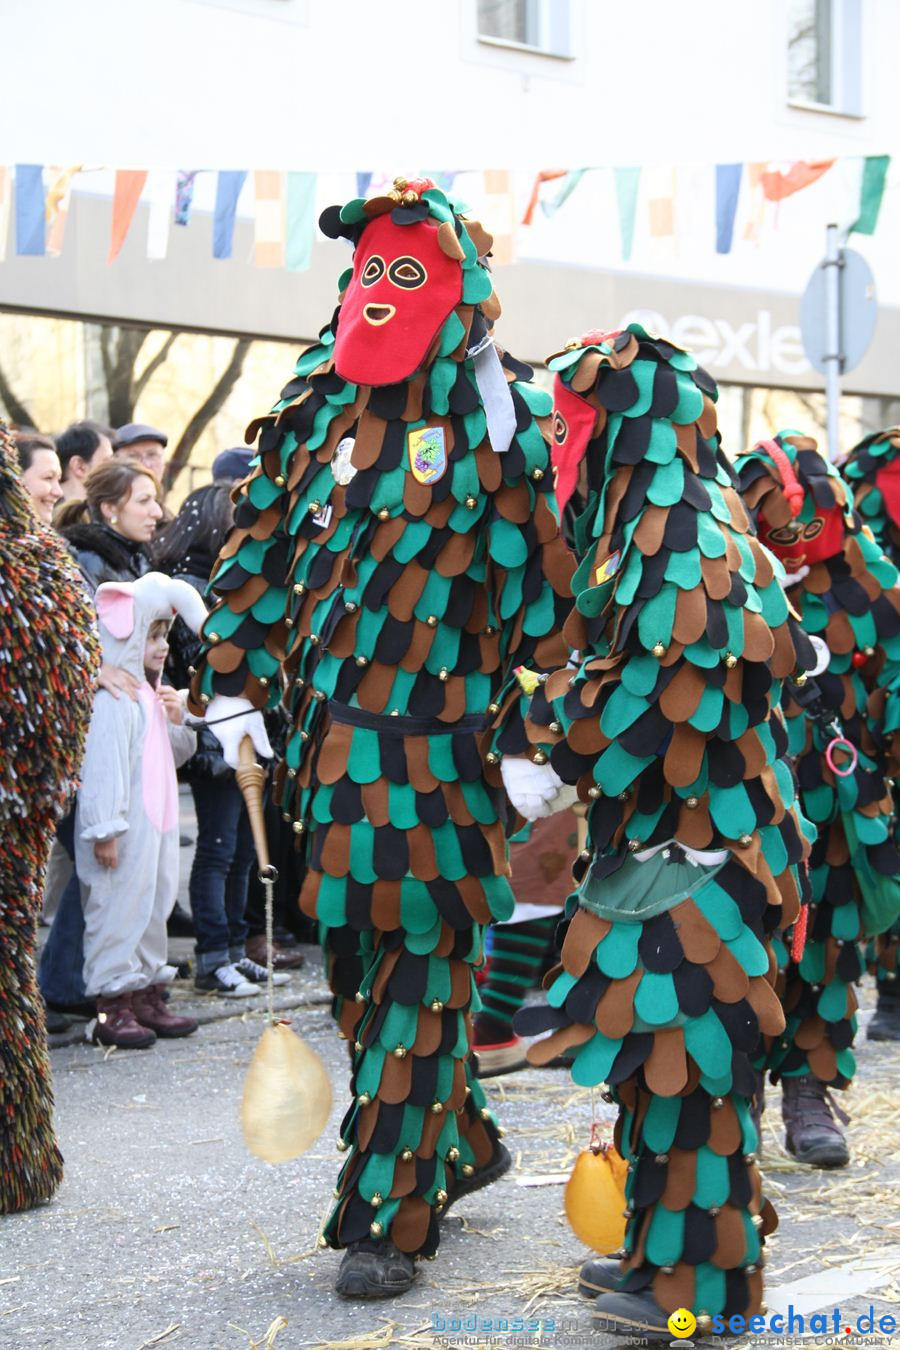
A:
{"points": [[517, 956], [666, 1011], [883, 959], [30, 1162], [817, 993], [417, 1122]]}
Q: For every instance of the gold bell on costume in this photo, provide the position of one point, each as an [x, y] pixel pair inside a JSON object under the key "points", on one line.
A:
{"points": [[287, 1091], [595, 1196]]}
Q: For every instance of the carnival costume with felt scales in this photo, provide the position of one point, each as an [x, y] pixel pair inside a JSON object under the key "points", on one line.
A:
{"points": [[49, 658], [873, 470], [397, 552], [669, 725], [847, 594]]}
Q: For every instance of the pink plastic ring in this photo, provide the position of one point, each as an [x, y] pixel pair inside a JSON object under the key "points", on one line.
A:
{"points": [[843, 744]]}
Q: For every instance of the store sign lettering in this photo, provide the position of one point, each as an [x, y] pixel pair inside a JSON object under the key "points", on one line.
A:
{"points": [[754, 346]]}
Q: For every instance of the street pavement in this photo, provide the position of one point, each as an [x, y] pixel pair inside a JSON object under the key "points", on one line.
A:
{"points": [[167, 1232]]}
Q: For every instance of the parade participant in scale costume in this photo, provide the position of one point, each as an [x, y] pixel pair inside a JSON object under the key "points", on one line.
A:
{"points": [[670, 727], [872, 469], [847, 595], [398, 554], [49, 657]]}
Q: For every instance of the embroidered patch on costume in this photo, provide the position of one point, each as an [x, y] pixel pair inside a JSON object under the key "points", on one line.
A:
{"points": [[607, 569], [427, 454], [323, 517], [342, 470]]}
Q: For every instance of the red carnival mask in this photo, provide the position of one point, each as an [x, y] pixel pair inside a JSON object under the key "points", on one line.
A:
{"points": [[573, 423], [801, 543], [402, 290], [887, 479]]}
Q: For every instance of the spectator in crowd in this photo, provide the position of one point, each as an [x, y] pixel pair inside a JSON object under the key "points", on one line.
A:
{"points": [[40, 472], [116, 522], [224, 854], [109, 541], [145, 444], [82, 447], [126, 820], [231, 466]]}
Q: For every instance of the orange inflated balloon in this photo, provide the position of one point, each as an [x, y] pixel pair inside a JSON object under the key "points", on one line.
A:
{"points": [[595, 1198]]}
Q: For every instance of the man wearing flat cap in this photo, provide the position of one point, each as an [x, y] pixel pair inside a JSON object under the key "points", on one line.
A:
{"points": [[143, 443]]}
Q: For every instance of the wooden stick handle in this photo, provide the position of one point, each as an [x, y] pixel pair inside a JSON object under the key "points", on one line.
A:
{"points": [[251, 779]]}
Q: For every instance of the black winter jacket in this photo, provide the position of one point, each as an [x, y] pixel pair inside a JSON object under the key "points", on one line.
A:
{"points": [[105, 555]]}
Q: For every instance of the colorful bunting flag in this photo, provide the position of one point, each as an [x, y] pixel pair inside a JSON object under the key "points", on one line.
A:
{"points": [[184, 195], [661, 203], [59, 197], [160, 193], [268, 187], [871, 193], [126, 195], [228, 188], [777, 185], [627, 182], [728, 187], [545, 176], [551, 205], [31, 224], [362, 183], [301, 220]]}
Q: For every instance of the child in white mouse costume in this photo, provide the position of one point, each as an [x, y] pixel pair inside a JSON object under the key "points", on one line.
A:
{"points": [[126, 825]]}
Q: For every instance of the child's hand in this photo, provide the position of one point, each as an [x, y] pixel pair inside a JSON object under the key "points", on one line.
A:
{"points": [[106, 851], [171, 701]]}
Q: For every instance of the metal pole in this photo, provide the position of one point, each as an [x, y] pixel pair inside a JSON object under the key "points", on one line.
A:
{"points": [[834, 358]]}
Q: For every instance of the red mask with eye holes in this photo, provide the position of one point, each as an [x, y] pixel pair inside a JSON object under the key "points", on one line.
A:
{"points": [[802, 543], [574, 420], [402, 290]]}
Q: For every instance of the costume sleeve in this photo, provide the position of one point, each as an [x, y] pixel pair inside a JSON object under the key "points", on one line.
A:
{"points": [[246, 632], [183, 741], [529, 576], [104, 796], [667, 725]]}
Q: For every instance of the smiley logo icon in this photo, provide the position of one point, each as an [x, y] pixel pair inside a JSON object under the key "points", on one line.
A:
{"points": [[682, 1323]]}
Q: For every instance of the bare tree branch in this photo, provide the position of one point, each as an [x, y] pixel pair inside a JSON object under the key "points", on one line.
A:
{"points": [[17, 411], [206, 412], [152, 366]]}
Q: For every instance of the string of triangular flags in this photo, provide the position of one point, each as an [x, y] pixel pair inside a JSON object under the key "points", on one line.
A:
{"points": [[284, 203]]}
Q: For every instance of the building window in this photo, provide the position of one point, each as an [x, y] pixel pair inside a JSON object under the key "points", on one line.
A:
{"points": [[824, 55], [534, 25]]}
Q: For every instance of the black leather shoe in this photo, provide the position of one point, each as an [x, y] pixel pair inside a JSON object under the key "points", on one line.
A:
{"points": [[885, 1023], [637, 1316], [375, 1268], [599, 1277]]}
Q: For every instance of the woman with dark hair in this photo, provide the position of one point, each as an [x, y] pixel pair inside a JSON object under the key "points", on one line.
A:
{"points": [[118, 520], [39, 463], [224, 856]]}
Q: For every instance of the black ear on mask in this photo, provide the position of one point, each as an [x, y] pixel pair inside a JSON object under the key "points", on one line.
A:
{"points": [[333, 227]]}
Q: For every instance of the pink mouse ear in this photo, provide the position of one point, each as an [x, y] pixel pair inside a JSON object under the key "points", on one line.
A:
{"points": [[115, 606]]}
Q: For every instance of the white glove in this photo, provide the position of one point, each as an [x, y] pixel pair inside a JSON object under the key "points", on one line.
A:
{"points": [[535, 790], [230, 734], [823, 656]]}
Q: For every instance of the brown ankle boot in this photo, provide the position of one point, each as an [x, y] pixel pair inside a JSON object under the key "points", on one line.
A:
{"points": [[151, 1011], [117, 1025]]}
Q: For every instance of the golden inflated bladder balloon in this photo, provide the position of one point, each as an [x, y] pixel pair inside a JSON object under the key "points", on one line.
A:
{"points": [[287, 1096], [595, 1198]]}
